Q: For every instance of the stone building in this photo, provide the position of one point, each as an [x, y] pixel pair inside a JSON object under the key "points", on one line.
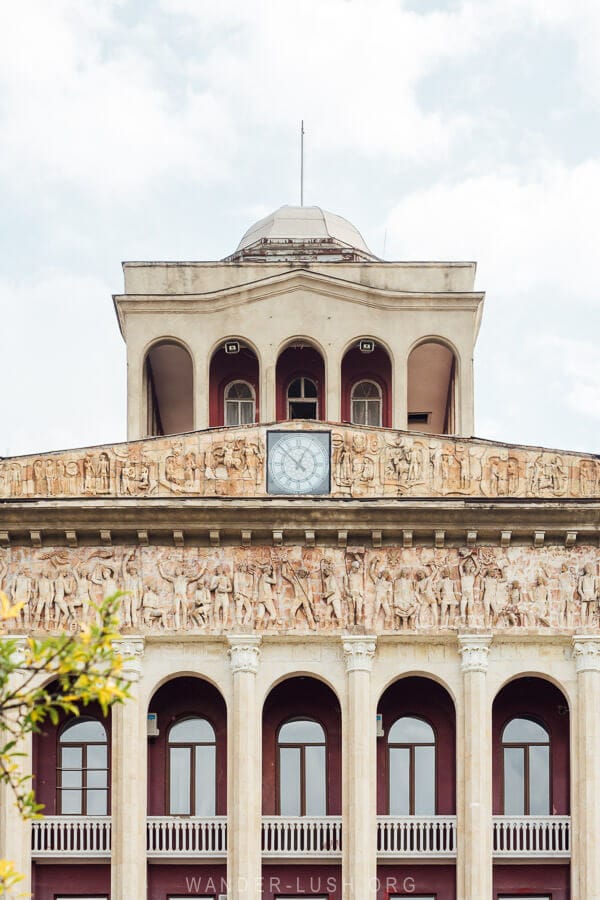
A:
{"points": [[365, 645]]}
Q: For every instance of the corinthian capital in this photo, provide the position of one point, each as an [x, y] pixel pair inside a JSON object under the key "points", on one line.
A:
{"points": [[359, 652], [586, 650], [244, 652], [474, 650], [132, 651]]}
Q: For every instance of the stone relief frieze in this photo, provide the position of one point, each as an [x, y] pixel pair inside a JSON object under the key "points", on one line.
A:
{"points": [[365, 463], [307, 589]]}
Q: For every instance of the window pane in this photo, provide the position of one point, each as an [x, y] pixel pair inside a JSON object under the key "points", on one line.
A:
{"points": [[191, 731], [231, 413], [239, 390], [206, 776], [411, 731], [295, 388], [301, 731], [179, 781], [246, 413], [310, 388], [71, 778], [316, 797], [71, 757], [539, 781], [96, 803], [523, 731], [424, 781], [289, 781], [97, 778], [399, 781], [358, 412], [514, 781], [96, 757], [374, 413], [71, 803], [78, 732]]}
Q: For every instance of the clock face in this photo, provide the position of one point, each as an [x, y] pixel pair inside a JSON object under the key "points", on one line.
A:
{"points": [[298, 462]]}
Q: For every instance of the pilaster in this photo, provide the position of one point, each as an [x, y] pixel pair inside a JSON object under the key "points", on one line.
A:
{"points": [[15, 832], [128, 789], [586, 791], [359, 873], [474, 808], [245, 776]]}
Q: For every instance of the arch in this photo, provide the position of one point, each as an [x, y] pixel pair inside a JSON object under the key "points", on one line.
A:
{"points": [[306, 699], [426, 676], [432, 376], [168, 387], [416, 768], [300, 362], [179, 770], [375, 367], [226, 368], [538, 701], [184, 673]]}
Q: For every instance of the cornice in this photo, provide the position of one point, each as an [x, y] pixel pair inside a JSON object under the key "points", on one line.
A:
{"points": [[437, 522]]}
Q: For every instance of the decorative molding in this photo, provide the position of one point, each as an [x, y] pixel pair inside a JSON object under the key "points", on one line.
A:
{"points": [[586, 650], [359, 652], [474, 650], [244, 653], [132, 651]]}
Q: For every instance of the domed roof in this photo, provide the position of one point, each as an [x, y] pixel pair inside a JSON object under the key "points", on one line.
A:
{"points": [[302, 231]]}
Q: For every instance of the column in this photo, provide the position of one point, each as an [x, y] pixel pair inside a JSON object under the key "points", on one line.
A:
{"points": [[586, 793], [359, 834], [15, 833], [333, 384], [244, 790], [399, 391], [474, 812], [267, 387], [129, 760]]}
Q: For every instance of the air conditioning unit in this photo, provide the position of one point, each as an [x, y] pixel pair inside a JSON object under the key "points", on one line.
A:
{"points": [[379, 720], [152, 725], [366, 346], [232, 346]]}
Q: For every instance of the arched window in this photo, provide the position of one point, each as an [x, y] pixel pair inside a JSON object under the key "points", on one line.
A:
{"points": [[239, 404], [192, 768], [526, 752], [83, 769], [302, 399], [411, 766], [366, 403], [302, 769]]}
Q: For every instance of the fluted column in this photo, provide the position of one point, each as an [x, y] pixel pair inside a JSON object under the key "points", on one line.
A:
{"points": [[244, 772], [474, 812], [15, 833], [586, 794], [128, 790], [359, 838]]}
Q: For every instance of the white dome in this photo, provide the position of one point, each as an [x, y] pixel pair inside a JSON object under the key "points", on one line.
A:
{"points": [[304, 226]]}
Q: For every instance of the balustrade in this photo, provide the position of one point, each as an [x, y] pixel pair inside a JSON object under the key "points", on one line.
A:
{"points": [[304, 836], [531, 836], [423, 836], [186, 837], [71, 836]]}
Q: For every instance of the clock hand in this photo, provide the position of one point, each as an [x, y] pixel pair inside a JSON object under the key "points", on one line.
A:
{"points": [[293, 459]]}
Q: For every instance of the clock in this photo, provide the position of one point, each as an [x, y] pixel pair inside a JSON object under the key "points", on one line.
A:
{"points": [[298, 462]]}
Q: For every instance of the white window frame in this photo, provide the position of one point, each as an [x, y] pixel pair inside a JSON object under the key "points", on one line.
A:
{"points": [[226, 400], [367, 400]]}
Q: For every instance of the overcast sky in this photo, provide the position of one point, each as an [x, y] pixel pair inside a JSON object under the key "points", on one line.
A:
{"points": [[161, 129]]}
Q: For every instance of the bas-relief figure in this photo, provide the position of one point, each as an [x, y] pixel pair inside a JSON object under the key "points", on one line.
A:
{"points": [[307, 589], [365, 463]]}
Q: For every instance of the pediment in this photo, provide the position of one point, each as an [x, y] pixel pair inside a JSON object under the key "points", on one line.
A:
{"points": [[365, 464]]}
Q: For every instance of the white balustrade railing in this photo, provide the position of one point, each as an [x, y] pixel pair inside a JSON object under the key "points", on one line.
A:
{"points": [[304, 836], [426, 836], [187, 836], [71, 836], [530, 836]]}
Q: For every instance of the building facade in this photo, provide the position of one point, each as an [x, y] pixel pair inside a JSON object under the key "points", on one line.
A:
{"points": [[364, 645]]}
